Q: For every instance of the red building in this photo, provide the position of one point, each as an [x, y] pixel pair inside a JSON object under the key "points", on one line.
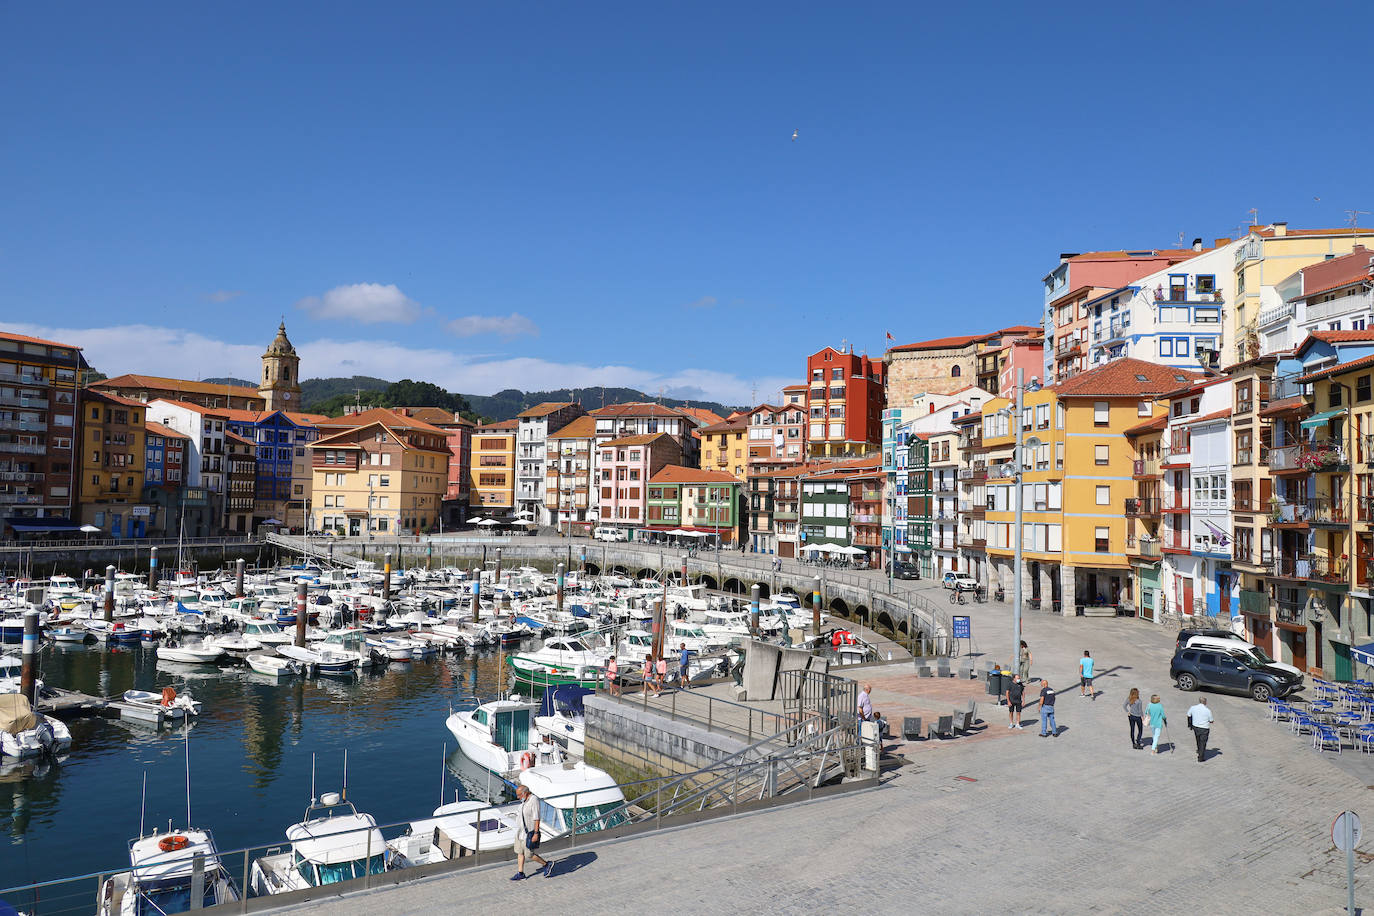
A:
{"points": [[845, 399]]}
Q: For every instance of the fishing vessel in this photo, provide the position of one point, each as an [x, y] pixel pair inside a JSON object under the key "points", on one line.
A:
{"points": [[564, 660], [331, 843], [272, 665], [163, 877], [498, 735], [25, 733], [173, 705]]}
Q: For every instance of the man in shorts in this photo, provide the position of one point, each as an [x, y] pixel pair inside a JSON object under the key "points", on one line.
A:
{"points": [[527, 834], [1016, 692], [1085, 676]]}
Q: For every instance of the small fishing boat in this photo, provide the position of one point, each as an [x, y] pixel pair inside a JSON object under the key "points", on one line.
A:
{"points": [[332, 843], [320, 661], [273, 665], [561, 717], [190, 653], [266, 632], [69, 634], [164, 875], [234, 645], [565, 660], [173, 705], [498, 735], [25, 733]]}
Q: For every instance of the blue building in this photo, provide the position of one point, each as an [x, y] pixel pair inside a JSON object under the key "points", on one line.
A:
{"points": [[282, 488]]}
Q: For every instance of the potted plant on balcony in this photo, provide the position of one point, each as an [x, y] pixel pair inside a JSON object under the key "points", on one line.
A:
{"points": [[1275, 509]]}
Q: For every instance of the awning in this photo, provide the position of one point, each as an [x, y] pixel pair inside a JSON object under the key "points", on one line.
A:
{"points": [[1363, 654], [25, 525], [1318, 419]]}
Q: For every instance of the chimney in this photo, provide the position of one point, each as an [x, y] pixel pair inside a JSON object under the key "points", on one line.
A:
{"points": [[1197, 244], [1280, 229], [1220, 242]]}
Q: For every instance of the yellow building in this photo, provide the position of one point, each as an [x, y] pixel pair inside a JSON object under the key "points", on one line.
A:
{"points": [[725, 446], [386, 473], [113, 458], [493, 466], [1271, 255], [1078, 476]]}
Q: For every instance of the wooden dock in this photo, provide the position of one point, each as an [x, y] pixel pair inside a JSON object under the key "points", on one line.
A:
{"points": [[69, 704]]}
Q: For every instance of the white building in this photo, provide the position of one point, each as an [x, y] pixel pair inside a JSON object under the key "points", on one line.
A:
{"points": [[1173, 317], [1336, 294], [1196, 460], [531, 454], [207, 464]]}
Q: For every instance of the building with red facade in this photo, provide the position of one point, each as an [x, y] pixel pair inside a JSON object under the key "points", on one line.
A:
{"points": [[845, 398]]}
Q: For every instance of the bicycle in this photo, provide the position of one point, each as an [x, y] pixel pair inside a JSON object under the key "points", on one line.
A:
{"points": [[957, 597]]}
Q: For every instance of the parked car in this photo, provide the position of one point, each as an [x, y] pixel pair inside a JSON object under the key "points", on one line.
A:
{"points": [[1217, 670], [1232, 644], [610, 534], [960, 582], [905, 571]]}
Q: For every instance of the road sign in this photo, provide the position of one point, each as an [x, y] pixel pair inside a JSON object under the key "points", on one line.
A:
{"points": [[963, 628], [1339, 829]]}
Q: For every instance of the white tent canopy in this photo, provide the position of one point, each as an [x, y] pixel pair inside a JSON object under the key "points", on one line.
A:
{"points": [[813, 547], [488, 521], [851, 550]]}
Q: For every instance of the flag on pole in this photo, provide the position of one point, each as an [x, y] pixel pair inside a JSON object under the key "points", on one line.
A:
{"points": [[889, 336]]}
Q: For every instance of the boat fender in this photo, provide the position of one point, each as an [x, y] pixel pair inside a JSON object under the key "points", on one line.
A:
{"points": [[170, 843], [169, 696], [526, 760]]}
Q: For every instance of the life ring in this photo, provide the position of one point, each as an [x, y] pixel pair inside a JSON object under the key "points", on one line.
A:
{"points": [[526, 760], [171, 843]]}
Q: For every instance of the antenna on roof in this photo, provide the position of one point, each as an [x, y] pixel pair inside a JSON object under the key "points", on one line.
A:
{"points": [[1254, 216], [1180, 240], [1353, 218]]}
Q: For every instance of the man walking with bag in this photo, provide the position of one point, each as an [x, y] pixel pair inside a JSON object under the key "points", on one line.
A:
{"points": [[527, 835], [1200, 721]]}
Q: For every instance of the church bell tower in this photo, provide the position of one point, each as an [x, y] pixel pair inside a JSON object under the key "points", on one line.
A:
{"points": [[281, 381]]}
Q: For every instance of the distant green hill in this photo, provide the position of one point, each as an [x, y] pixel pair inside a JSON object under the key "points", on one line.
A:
{"points": [[331, 395], [230, 380]]}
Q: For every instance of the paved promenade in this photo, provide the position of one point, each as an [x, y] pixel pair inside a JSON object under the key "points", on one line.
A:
{"points": [[1003, 822]]}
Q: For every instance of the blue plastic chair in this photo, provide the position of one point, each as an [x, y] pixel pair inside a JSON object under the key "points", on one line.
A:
{"points": [[1323, 735]]}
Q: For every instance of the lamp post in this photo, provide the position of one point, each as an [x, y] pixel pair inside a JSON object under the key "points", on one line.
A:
{"points": [[1018, 466]]}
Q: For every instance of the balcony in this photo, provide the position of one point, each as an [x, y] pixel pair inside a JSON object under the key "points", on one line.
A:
{"points": [[976, 472], [1289, 611], [32, 381], [21, 499], [871, 496], [1311, 567], [20, 448], [31, 403], [1068, 347], [1178, 501], [1323, 510], [1147, 507], [1175, 542], [20, 477], [1344, 305], [1143, 548], [28, 426], [1145, 468], [971, 442]]}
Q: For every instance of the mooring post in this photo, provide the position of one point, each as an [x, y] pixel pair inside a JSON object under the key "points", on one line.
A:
{"points": [[477, 597], [497, 580], [754, 591], [386, 577], [152, 568], [238, 577], [559, 580], [816, 607], [109, 592], [28, 674], [300, 613]]}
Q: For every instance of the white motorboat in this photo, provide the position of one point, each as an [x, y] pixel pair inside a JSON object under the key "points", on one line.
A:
{"points": [[396, 648], [332, 843], [561, 717], [266, 632], [25, 733], [456, 830], [190, 653], [321, 659], [575, 798], [173, 705], [163, 876], [273, 665], [498, 735], [563, 660], [235, 645]]}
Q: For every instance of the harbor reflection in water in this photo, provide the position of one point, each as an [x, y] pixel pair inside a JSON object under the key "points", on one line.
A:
{"points": [[250, 748]]}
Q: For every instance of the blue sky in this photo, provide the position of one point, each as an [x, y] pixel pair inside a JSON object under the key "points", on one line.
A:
{"points": [[545, 195]]}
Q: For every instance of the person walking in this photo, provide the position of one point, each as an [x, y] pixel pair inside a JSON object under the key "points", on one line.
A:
{"points": [[1016, 691], [1134, 717], [1200, 721], [1023, 663], [683, 658], [661, 679], [527, 835], [612, 677], [648, 674], [1158, 720], [1047, 724], [1085, 676]]}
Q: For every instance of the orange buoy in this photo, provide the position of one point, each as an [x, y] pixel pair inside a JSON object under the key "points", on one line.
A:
{"points": [[171, 843]]}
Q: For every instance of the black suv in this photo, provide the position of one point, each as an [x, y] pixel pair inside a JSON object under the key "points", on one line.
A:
{"points": [[905, 571], [1202, 667]]}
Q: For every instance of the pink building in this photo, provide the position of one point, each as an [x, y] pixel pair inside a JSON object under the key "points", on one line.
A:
{"points": [[624, 469]]}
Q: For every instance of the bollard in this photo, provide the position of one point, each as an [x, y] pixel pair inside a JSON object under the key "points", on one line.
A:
{"points": [[754, 611], [497, 580], [684, 569], [816, 607], [558, 578], [659, 629], [476, 599], [300, 613], [28, 675], [109, 592], [238, 577], [386, 578], [152, 568]]}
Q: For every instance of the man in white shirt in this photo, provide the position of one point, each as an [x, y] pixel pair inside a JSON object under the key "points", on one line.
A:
{"points": [[1200, 721], [865, 703], [527, 834]]}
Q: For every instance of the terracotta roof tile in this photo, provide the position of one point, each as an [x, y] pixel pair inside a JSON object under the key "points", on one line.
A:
{"points": [[644, 439], [544, 409], [1284, 405], [673, 473], [1205, 418], [23, 338], [583, 427], [501, 425], [157, 382], [1149, 426], [157, 429], [1327, 372], [1126, 378]]}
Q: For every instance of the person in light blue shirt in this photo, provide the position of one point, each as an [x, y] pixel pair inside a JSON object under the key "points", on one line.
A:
{"points": [[1085, 676], [1155, 713]]}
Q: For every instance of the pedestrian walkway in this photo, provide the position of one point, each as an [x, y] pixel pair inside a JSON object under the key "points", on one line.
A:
{"points": [[1001, 822]]}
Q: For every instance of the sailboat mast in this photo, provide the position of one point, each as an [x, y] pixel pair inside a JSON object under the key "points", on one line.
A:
{"points": [[186, 732]]}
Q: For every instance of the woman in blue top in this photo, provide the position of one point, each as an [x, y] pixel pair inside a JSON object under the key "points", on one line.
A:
{"points": [[1155, 713]]}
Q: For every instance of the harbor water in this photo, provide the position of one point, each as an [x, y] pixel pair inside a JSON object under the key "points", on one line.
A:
{"points": [[250, 752]]}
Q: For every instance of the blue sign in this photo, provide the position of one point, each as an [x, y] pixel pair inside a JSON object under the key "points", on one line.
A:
{"points": [[963, 628]]}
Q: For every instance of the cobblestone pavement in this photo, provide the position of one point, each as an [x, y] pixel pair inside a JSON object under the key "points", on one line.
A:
{"points": [[1022, 824]]}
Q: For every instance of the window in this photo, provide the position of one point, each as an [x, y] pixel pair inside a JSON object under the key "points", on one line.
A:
{"points": [[1101, 539], [954, 371], [1143, 409], [1101, 413], [1334, 395], [1206, 283], [1104, 495], [1207, 316], [1100, 454], [1362, 388]]}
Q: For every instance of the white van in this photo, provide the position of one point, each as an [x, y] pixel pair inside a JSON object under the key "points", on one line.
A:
{"points": [[609, 534]]}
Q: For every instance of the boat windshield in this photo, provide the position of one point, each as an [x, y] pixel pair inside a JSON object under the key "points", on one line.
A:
{"points": [[591, 818], [173, 895], [317, 875]]}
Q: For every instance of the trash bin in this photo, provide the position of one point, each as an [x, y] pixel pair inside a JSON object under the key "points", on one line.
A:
{"points": [[997, 683]]}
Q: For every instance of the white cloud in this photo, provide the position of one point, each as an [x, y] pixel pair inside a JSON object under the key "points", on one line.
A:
{"points": [[186, 354], [512, 325], [705, 302], [224, 295], [368, 303]]}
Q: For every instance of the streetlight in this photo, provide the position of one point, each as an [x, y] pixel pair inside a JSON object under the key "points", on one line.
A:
{"points": [[1018, 465]]}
